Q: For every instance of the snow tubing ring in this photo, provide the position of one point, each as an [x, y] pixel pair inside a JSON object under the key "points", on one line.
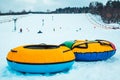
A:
{"points": [[85, 50], [40, 58]]}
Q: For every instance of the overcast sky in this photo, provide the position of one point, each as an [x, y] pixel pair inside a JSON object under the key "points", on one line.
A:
{"points": [[42, 5]]}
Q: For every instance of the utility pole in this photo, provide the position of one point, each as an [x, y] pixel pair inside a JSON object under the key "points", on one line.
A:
{"points": [[15, 20]]}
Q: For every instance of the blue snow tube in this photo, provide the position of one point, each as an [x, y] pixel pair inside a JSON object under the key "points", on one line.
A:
{"points": [[40, 68], [94, 56]]}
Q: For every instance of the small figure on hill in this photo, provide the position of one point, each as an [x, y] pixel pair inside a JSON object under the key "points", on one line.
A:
{"points": [[53, 29], [60, 27], [20, 30], [39, 31], [42, 22], [27, 29], [76, 30], [79, 28], [94, 27]]}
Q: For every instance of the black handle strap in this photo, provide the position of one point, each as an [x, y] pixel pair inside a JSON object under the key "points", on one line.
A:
{"points": [[66, 51], [81, 45], [13, 51], [102, 42]]}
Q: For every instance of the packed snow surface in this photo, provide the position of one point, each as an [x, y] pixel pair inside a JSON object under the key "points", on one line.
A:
{"points": [[57, 28]]}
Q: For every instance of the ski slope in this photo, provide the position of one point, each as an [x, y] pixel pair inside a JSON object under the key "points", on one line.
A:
{"points": [[56, 29]]}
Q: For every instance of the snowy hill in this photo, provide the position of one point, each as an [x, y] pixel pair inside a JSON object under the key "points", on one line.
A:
{"points": [[56, 29]]}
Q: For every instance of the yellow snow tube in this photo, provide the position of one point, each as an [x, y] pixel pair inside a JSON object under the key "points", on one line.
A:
{"points": [[40, 54], [93, 50], [84, 46]]}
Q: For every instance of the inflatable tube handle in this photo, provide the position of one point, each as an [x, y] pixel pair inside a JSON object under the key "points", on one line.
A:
{"points": [[79, 46], [66, 51], [13, 51], [102, 43], [42, 44]]}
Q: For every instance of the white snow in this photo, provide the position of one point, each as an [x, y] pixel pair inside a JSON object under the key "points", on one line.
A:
{"points": [[67, 27]]}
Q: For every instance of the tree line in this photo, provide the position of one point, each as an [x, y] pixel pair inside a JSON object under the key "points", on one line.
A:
{"points": [[21, 12], [110, 12]]}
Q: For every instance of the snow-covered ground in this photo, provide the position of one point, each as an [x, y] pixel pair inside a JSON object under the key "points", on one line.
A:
{"points": [[56, 29]]}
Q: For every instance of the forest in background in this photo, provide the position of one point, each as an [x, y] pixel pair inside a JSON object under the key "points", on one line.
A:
{"points": [[110, 12]]}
